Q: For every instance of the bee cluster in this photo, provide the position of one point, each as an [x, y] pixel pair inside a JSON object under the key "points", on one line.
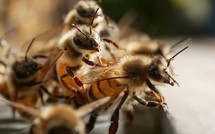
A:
{"points": [[79, 70]]}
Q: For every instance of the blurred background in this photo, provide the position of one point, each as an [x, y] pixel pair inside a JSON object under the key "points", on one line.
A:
{"points": [[192, 105], [164, 18]]}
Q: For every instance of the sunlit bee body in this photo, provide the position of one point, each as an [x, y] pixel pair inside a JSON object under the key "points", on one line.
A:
{"points": [[135, 76], [131, 72], [58, 118]]}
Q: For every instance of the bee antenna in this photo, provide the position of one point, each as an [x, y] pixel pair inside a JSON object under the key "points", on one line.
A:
{"points": [[181, 41], [169, 60], [94, 16], [73, 25], [26, 54]]}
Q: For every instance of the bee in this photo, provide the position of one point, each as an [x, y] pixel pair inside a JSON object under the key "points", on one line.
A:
{"points": [[58, 118], [82, 14], [135, 76], [78, 44], [23, 77], [144, 45]]}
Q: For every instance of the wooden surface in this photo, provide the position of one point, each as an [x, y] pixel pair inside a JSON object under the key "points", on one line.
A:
{"points": [[191, 106]]}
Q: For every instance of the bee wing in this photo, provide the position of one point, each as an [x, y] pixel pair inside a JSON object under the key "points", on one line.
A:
{"points": [[51, 62], [27, 109], [45, 42], [86, 109], [98, 74]]}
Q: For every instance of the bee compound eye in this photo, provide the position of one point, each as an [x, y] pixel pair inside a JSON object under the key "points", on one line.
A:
{"points": [[25, 69], [154, 72]]}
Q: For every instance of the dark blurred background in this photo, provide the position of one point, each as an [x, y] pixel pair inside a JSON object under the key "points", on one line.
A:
{"points": [[167, 17]]}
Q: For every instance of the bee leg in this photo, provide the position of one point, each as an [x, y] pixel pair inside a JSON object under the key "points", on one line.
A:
{"points": [[91, 63], [115, 117], [156, 93], [90, 125], [76, 79], [147, 103], [103, 61]]}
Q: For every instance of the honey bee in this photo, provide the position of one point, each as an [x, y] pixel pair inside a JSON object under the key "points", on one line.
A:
{"points": [[144, 45], [135, 76], [82, 14], [23, 77], [78, 44], [58, 118]]}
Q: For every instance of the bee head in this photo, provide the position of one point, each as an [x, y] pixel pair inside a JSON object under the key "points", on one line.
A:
{"points": [[25, 68], [86, 40], [60, 119], [160, 72], [86, 9], [160, 69]]}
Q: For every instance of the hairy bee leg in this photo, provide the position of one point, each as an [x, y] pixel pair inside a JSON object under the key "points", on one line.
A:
{"points": [[147, 103], [91, 63], [92, 121], [115, 117], [157, 96], [154, 90], [76, 79]]}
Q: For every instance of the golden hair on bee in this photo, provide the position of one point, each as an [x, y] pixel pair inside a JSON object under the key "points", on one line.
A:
{"points": [[58, 118]]}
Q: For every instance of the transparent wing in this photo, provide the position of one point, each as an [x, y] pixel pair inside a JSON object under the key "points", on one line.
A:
{"points": [[45, 42], [99, 74]]}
